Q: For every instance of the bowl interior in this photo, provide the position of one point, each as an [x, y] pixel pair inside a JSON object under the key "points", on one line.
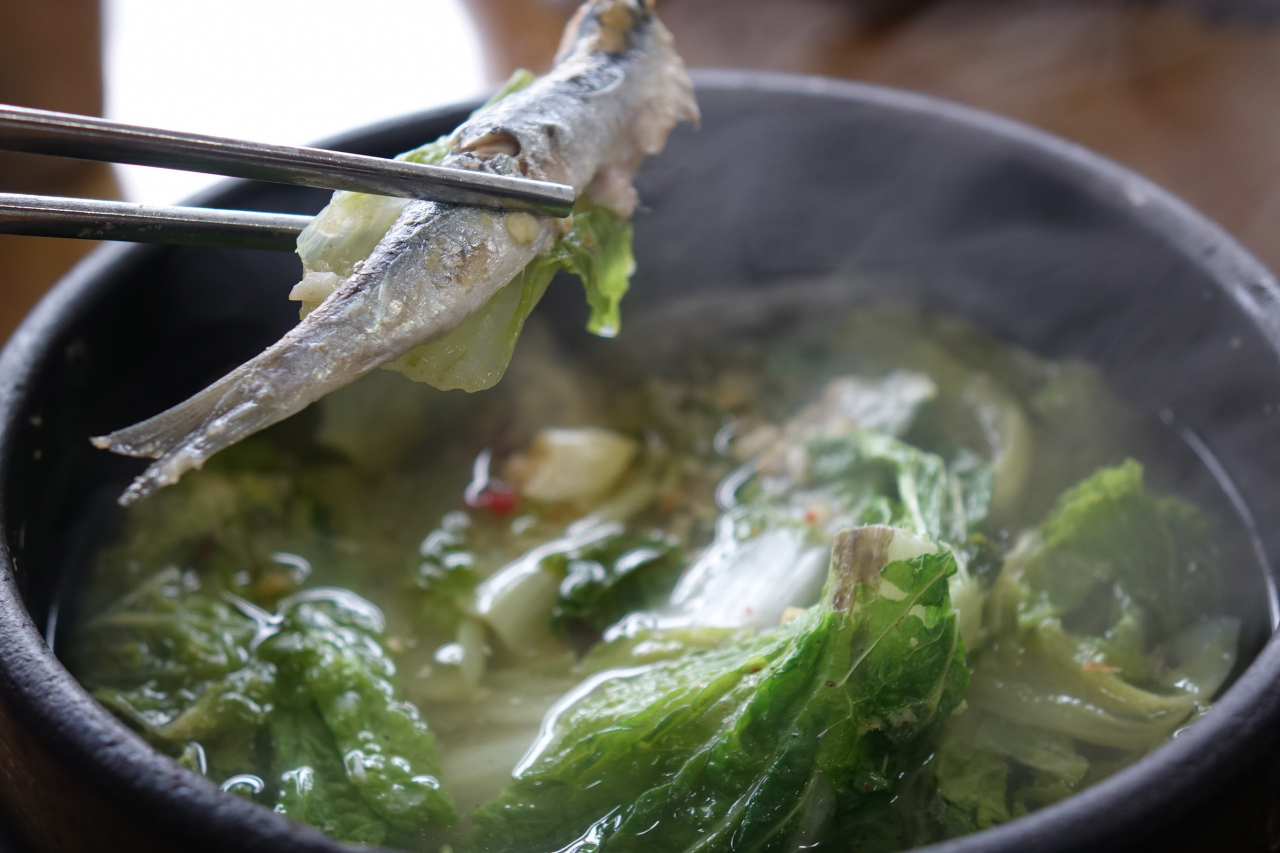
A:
{"points": [[897, 198]]}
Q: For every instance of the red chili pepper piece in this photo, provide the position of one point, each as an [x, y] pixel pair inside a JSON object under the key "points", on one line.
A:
{"points": [[498, 498]]}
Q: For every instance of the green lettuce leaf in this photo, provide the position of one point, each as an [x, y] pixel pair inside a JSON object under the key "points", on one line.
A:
{"points": [[972, 783], [1079, 606], [1071, 684], [1049, 678], [447, 576], [772, 741], [308, 690], [162, 634], [223, 528], [881, 479], [989, 769], [314, 786], [328, 657], [645, 647], [1110, 542], [475, 355], [1199, 659], [610, 578], [598, 252], [175, 663]]}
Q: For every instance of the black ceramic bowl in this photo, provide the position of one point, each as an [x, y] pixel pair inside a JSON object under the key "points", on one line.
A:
{"points": [[1035, 240]]}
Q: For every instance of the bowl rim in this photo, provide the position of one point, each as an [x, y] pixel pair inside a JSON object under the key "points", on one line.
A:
{"points": [[119, 764]]}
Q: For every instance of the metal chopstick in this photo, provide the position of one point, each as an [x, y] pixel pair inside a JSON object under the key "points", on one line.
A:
{"points": [[50, 216], [85, 138]]}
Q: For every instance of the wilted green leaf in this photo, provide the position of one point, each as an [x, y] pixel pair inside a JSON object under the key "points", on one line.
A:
{"points": [[775, 740]]}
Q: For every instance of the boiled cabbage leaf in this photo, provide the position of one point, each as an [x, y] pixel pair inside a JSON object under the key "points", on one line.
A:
{"points": [[989, 769], [880, 479], [609, 578], [773, 741], [328, 656], [1110, 545], [308, 690], [1071, 667]]}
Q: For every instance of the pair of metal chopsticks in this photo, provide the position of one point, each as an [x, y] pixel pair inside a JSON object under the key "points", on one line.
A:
{"points": [[84, 138]]}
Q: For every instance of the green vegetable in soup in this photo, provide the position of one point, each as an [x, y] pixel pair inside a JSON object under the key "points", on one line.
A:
{"points": [[1047, 677], [310, 685], [328, 656], [1071, 657], [1111, 551], [225, 532], [883, 480], [314, 786], [175, 665], [980, 758], [164, 633], [719, 611], [778, 740], [447, 575], [610, 578]]}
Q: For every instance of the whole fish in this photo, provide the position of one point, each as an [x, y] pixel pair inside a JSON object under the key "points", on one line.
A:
{"points": [[617, 89]]}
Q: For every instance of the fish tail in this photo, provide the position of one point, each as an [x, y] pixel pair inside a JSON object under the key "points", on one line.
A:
{"points": [[153, 437], [182, 438]]}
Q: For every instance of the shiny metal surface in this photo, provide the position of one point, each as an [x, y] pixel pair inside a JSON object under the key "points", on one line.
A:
{"points": [[87, 219], [85, 138]]}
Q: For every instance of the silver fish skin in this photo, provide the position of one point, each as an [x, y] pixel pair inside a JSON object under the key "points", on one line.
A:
{"points": [[617, 89]]}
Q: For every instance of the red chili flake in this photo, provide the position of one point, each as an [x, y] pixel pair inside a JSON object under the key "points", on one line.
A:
{"points": [[754, 670], [866, 786], [497, 497], [810, 516], [750, 610]]}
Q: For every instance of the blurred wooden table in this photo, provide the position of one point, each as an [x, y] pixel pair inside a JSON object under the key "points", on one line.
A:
{"points": [[50, 58], [1191, 103]]}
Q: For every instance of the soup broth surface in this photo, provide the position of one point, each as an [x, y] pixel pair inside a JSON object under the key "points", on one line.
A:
{"points": [[597, 607]]}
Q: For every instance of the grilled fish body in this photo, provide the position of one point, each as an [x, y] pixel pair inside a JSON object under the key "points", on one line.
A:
{"points": [[617, 89]]}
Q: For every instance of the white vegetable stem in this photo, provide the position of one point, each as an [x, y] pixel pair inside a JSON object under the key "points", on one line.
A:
{"points": [[517, 599]]}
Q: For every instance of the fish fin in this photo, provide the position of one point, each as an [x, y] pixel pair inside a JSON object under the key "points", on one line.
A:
{"points": [[182, 438], [154, 437]]}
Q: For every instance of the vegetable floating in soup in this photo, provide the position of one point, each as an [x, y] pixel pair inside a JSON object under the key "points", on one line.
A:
{"points": [[864, 583]]}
